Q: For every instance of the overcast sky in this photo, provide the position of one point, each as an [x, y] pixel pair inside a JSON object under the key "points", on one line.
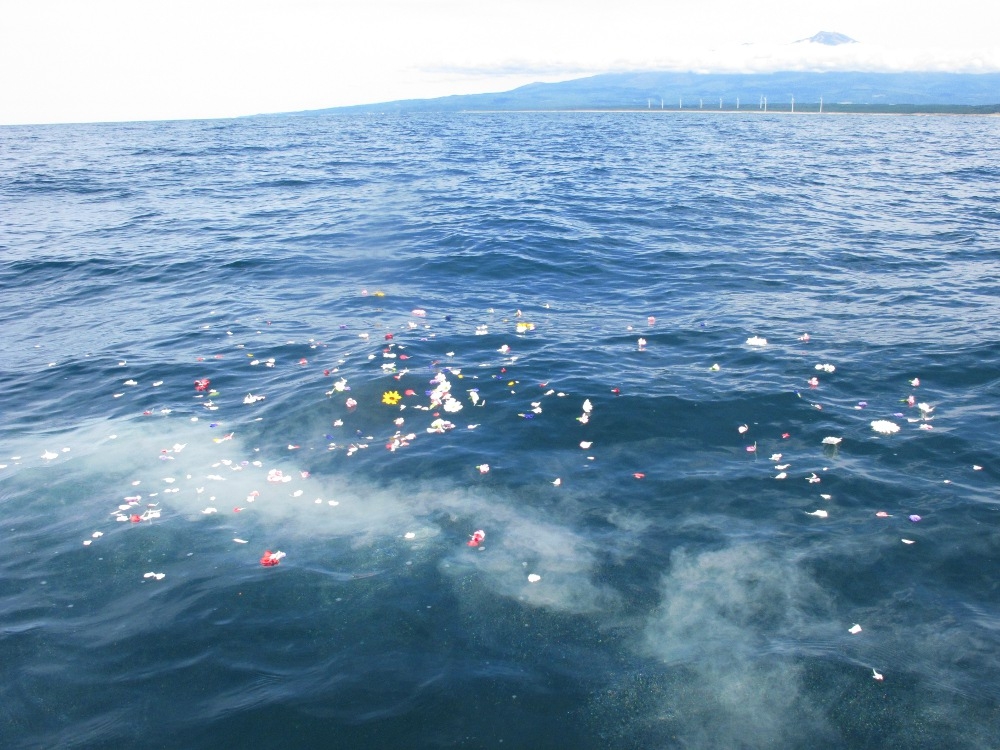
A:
{"points": [[99, 60]]}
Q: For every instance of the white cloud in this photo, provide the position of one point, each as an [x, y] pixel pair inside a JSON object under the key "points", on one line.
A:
{"points": [[112, 60]]}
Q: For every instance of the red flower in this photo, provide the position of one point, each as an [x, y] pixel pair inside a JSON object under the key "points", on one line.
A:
{"points": [[201, 385], [269, 559]]}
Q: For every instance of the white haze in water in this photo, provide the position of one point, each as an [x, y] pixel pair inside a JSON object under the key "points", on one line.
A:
{"points": [[108, 462], [725, 620]]}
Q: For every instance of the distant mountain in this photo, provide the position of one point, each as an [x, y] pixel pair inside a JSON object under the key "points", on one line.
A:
{"points": [[831, 38], [843, 91]]}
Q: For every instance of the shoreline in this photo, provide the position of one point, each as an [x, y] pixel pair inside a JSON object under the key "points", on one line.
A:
{"points": [[624, 110]]}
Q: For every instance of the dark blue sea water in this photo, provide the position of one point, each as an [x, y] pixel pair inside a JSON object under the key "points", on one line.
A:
{"points": [[689, 587]]}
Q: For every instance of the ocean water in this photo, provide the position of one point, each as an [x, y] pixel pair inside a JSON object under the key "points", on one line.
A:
{"points": [[683, 524]]}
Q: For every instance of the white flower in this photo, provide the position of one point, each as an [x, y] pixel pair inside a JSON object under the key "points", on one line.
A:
{"points": [[885, 427]]}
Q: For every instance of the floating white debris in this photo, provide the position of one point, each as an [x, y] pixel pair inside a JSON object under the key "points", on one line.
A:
{"points": [[876, 675], [240, 541], [585, 444], [557, 481], [252, 399], [907, 541], [781, 475], [818, 513], [885, 427], [157, 576], [409, 535], [534, 578], [210, 511], [854, 629], [756, 341], [49, 455], [826, 368], [483, 468], [832, 440]]}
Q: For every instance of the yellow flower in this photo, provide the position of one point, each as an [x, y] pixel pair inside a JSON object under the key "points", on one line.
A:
{"points": [[391, 398]]}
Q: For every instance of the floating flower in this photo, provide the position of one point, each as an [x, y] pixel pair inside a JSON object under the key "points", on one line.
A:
{"points": [[476, 538], [391, 398], [270, 559], [201, 384], [885, 427]]}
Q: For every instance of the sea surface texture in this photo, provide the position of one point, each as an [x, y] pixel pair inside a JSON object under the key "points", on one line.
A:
{"points": [[619, 430]]}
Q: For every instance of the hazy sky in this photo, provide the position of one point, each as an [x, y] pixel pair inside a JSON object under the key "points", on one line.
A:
{"points": [[94, 60]]}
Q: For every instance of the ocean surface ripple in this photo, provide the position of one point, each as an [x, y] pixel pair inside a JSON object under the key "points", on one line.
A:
{"points": [[651, 355]]}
